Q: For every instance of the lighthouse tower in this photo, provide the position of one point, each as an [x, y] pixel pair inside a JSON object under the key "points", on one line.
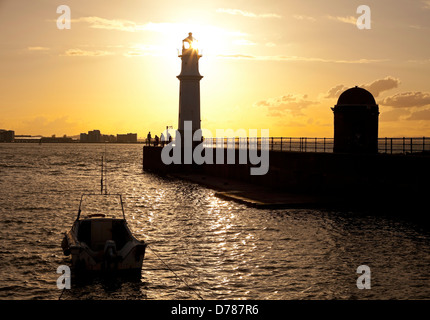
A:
{"points": [[189, 87]]}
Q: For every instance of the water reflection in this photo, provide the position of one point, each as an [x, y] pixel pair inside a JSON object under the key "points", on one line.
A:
{"points": [[113, 287]]}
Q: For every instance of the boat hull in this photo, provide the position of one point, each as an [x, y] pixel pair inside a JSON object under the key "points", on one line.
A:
{"points": [[86, 257]]}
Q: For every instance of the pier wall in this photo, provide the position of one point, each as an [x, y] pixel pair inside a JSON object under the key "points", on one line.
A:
{"points": [[377, 174]]}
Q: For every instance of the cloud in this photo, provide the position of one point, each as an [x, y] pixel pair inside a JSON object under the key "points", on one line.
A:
{"points": [[405, 114], [128, 25], [302, 17], [393, 115], [244, 42], [296, 58], [336, 91], [37, 49], [420, 115], [409, 99], [289, 103], [207, 31], [86, 53], [114, 24], [376, 87], [422, 61], [247, 13], [381, 85], [237, 56], [139, 50], [349, 19]]}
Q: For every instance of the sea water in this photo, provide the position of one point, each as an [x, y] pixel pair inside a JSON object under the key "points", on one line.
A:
{"points": [[209, 248]]}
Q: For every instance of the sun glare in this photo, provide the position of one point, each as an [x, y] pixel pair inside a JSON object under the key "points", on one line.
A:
{"points": [[211, 40], [195, 44]]}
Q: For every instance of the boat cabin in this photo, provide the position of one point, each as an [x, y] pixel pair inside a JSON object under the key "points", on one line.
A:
{"points": [[95, 232]]}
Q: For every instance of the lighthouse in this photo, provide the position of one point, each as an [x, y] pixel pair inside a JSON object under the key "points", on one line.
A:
{"points": [[189, 86]]}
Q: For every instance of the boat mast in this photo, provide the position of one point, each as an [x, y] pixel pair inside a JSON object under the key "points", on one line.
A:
{"points": [[103, 184], [101, 179]]}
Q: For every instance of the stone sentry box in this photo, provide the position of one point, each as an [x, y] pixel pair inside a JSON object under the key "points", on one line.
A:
{"points": [[356, 117]]}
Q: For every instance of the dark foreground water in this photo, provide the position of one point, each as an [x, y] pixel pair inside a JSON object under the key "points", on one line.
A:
{"points": [[221, 249]]}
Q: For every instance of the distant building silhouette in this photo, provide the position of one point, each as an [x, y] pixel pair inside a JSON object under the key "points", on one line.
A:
{"points": [[126, 138], [94, 136], [356, 117], [54, 139], [108, 138], [83, 137], [7, 135]]}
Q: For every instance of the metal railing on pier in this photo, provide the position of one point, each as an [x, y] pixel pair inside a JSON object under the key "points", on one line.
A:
{"points": [[387, 145], [302, 144], [404, 145]]}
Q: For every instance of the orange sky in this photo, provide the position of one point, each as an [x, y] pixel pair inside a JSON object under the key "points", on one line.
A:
{"points": [[266, 64]]}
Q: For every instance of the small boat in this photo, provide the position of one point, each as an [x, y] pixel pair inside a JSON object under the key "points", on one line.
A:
{"points": [[100, 243]]}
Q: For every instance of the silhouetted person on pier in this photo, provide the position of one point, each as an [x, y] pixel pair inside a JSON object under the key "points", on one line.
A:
{"points": [[156, 141], [148, 139], [163, 140]]}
